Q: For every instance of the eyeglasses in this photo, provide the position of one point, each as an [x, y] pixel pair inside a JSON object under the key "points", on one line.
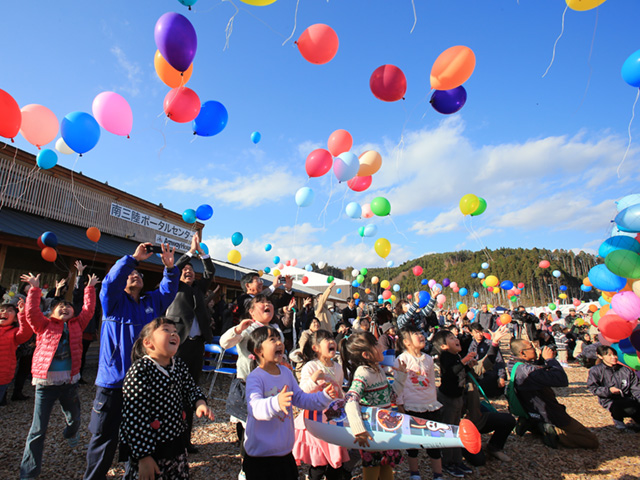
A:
{"points": [[136, 274], [258, 280], [529, 348]]}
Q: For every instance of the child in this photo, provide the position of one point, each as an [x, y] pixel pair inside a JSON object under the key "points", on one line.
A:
{"points": [[11, 335], [319, 371], [418, 396], [617, 388], [562, 342], [494, 380], [453, 377], [361, 356], [533, 386], [55, 368], [271, 390], [157, 386]]}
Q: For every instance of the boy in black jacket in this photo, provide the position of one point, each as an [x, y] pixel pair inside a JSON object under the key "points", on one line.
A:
{"points": [[533, 387]]}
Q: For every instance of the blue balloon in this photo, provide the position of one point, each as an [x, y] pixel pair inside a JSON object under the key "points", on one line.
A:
{"points": [[506, 285], [396, 288], [390, 263], [380, 300], [49, 239], [355, 284], [448, 101], [204, 212], [618, 242], [256, 137], [485, 265], [480, 275], [47, 159], [371, 230], [602, 301], [357, 301], [276, 260], [474, 275], [438, 286], [267, 247], [628, 220], [211, 120], [267, 269], [237, 239], [189, 215], [585, 288], [463, 291], [339, 290], [603, 279], [423, 299], [631, 69], [476, 294], [626, 346], [458, 304], [305, 197], [80, 131], [188, 3], [353, 210], [424, 281], [308, 268], [563, 288], [628, 201], [204, 249]]}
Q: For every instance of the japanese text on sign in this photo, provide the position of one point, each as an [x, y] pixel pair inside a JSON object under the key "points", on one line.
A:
{"points": [[139, 218]]}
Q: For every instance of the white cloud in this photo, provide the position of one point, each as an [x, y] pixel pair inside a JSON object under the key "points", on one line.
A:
{"points": [[443, 223], [132, 69]]}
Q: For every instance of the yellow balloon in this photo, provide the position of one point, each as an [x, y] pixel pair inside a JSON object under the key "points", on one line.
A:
{"points": [[384, 284], [11, 294], [608, 295], [275, 273], [635, 286], [259, 3], [580, 322], [393, 298], [489, 307], [382, 247], [491, 281], [375, 280], [234, 256], [562, 296], [463, 309], [469, 203], [260, 272], [370, 163], [583, 5]]}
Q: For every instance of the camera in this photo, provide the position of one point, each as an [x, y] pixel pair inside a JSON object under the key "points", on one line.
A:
{"points": [[283, 280], [154, 249]]}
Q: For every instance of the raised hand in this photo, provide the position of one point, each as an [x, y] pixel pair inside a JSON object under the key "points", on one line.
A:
{"points": [[499, 334], [288, 284], [93, 280], [79, 267], [31, 280], [402, 367], [242, 326], [20, 305], [167, 255], [61, 283], [141, 253], [284, 399], [195, 242]]}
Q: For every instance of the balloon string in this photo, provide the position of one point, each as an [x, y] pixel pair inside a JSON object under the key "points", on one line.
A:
{"points": [[4, 189], [295, 23], [553, 56], [397, 230], [633, 114], [24, 191], [229, 29], [73, 188], [415, 16], [593, 40], [263, 22], [473, 233], [323, 212], [295, 229], [344, 197]]}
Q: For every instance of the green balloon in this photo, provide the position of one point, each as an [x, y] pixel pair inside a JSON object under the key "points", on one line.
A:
{"points": [[360, 279], [552, 306], [380, 206], [631, 361], [481, 208], [363, 271], [361, 231], [514, 298], [596, 317], [329, 279], [623, 263]]}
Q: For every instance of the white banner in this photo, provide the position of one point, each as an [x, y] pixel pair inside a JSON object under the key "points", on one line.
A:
{"points": [[139, 218]]}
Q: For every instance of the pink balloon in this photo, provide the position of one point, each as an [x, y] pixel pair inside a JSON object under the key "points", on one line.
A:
{"points": [[318, 162], [366, 211], [39, 124], [432, 283], [340, 141], [360, 184], [113, 113], [417, 270], [294, 262], [626, 305], [440, 305], [441, 299], [576, 302], [280, 265], [517, 291], [544, 264], [455, 289], [521, 285], [470, 315], [386, 294], [453, 285]]}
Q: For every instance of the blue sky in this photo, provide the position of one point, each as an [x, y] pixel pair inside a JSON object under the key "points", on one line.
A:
{"points": [[543, 152]]}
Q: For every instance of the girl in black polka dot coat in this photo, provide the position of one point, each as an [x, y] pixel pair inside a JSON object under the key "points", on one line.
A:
{"points": [[156, 387]]}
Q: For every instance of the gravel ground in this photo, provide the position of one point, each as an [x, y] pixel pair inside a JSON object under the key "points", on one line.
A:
{"points": [[617, 458]]}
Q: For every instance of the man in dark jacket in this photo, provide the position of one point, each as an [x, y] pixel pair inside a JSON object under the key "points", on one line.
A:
{"points": [[253, 285], [533, 387], [486, 318], [191, 316], [349, 313], [493, 380]]}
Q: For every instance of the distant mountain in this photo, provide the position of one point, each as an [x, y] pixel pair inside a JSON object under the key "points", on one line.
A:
{"points": [[515, 264]]}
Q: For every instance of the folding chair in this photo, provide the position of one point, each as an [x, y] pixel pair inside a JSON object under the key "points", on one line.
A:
{"points": [[225, 363]]}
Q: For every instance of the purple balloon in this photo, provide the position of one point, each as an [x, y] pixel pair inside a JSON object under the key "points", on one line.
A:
{"points": [[449, 101], [446, 282], [176, 39]]}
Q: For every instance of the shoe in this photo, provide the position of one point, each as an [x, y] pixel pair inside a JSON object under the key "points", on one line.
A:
{"points": [[500, 455], [191, 448], [18, 396], [73, 441], [549, 435], [464, 468], [620, 425], [415, 477], [453, 470], [242, 476], [522, 427]]}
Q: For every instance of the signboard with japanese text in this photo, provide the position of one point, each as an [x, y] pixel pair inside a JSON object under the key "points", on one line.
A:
{"points": [[145, 220]]}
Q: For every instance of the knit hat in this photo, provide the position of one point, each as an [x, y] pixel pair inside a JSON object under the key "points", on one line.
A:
{"points": [[386, 327]]}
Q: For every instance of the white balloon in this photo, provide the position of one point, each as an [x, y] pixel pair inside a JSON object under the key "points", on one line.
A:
{"points": [[321, 265], [355, 272], [63, 148]]}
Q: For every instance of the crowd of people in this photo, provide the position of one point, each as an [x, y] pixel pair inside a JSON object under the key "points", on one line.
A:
{"points": [[152, 350]]}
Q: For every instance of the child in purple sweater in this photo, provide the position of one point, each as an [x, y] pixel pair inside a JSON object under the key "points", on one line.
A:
{"points": [[271, 390]]}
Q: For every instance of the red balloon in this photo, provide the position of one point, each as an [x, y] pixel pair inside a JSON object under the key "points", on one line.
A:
{"points": [[360, 184], [49, 254], [339, 142], [181, 104], [490, 289], [615, 328], [40, 242], [544, 264], [93, 234], [388, 83], [417, 270], [318, 162], [521, 285], [305, 279], [386, 294], [10, 117], [318, 44]]}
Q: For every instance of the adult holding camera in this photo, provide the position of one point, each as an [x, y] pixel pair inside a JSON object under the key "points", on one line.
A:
{"points": [[126, 309], [526, 322], [253, 285], [190, 313]]}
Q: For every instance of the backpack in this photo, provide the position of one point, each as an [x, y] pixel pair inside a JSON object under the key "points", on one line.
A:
{"points": [[515, 407]]}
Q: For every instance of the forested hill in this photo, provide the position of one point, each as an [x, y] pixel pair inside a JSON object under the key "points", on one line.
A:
{"points": [[515, 264]]}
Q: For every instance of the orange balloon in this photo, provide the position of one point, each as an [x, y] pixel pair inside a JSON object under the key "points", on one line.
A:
{"points": [[370, 163], [169, 75], [49, 254], [593, 308], [586, 282], [604, 310], [39, 125], [452, 68], [93, 234]]}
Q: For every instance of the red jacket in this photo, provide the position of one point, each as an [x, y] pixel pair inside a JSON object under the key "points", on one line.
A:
{"points": [[49, 332], [10, 337]]}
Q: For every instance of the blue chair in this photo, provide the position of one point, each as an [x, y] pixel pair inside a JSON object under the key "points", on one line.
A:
{"points": [[225, 363]]}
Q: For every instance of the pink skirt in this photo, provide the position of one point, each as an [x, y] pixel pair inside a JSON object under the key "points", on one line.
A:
{"points": [[313, 451]]}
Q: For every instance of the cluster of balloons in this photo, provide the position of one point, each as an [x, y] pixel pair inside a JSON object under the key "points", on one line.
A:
{"points": [[48, 242], [618, 280], [203, 212], [473, 205]]}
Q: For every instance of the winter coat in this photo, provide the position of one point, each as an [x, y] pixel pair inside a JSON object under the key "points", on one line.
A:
{"points": [[49, 331], [602, 377], [10, 337]]}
